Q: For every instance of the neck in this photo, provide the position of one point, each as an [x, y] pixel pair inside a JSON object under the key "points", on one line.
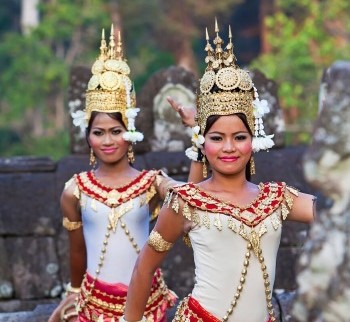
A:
{"points": [[121, 168], [226, 182]]}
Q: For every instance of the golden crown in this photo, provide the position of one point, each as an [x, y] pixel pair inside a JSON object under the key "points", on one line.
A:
{"points": [[224, 88], [110, 88]]}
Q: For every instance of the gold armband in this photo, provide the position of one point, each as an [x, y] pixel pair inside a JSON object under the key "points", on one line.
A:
{"points": [[122, 319], [157, 242], [71, 225]]}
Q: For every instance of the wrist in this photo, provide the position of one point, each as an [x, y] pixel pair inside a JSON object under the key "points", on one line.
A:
{"points": [[186, 124], [71, 289], [122, 319]]}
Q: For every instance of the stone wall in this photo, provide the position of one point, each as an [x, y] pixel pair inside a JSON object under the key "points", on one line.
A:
{"points": [[33, 256]]}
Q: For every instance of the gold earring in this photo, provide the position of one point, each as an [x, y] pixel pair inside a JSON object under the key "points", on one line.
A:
{"points": [[131, 156], [252, 165], [92, 158], [205, 170]]}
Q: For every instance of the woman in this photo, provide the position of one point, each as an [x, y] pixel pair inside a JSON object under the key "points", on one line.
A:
{"points": [[106, 211], [234, 226]]}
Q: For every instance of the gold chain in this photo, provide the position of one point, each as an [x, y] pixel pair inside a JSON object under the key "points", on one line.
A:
{"points": [[101, 261], [242, 281]]}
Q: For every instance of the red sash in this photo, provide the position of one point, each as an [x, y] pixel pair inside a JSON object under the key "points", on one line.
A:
{"points": [[190, 310], [109, 300]]}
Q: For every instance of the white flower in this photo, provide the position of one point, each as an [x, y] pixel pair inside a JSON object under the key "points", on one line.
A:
{"points": [[131, 113], [192, 153], [261, 107], [79, 119], [133, 136], [131, 124], [197, 139], [262, 143]]}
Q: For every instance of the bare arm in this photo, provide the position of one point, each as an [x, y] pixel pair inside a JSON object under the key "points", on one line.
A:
{"points": [[170, 226], [77, 252], [303, 209], [187, 115], [71, 212]]}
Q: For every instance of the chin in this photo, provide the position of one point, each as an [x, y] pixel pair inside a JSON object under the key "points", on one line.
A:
{"points": [[229, 172]]}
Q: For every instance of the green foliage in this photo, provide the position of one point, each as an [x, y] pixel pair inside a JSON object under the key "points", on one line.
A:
{"points": [[54, 146], [305, 38], [29, 73]]}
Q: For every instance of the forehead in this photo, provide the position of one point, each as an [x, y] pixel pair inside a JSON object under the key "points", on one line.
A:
{"points": [[103, 119], [228, 123]]}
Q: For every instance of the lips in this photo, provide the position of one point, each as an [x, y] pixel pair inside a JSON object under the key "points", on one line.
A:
{"points": [[228, 159], [108, 151]]}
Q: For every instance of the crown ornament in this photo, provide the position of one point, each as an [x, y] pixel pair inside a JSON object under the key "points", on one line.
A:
{"points": [[110, 89], [227, 89]]}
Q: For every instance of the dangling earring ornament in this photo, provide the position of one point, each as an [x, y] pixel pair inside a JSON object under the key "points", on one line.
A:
{"points": [[92, 158], [131, 156], [252, 165], [205, 170]]}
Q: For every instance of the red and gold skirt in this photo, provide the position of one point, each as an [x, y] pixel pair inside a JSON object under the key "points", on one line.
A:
{"points": [[107, 301], [189, 310]]}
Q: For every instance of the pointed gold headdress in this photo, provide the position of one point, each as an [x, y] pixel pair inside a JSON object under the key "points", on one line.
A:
{"points": [[110, 88], [227, 89]]}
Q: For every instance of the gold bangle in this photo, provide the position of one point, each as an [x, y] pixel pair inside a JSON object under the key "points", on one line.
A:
{"points": [[71, 289], [71, 225], [157, 242], [122, 319]]}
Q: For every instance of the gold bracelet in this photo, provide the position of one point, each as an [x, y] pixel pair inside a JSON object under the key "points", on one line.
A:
{"points": [[71, 289], [122, 319], [157, 242], [71, 225]]}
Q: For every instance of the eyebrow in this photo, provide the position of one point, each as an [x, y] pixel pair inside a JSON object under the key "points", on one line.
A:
{"points": [[222, 133], [111, 128]]}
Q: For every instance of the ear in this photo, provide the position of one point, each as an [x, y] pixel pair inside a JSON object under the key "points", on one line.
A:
{"points": [[203, 150], [88, 142]]}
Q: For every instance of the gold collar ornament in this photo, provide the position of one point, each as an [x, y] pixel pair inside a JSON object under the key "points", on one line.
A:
{"points": [[110, 89], [226, 89]]}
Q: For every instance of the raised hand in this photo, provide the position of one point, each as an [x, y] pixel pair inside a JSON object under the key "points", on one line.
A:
{"points": [[186, 113]]}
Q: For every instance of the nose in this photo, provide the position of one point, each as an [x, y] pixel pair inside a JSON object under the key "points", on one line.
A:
{"points": [[228, 146], [107, 139]]}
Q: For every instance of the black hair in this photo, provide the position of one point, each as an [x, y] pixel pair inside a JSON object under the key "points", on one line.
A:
{"points": [[115, 115]]}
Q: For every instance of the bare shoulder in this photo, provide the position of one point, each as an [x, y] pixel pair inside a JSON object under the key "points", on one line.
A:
{"points": [[303, 209], [69, 201]]}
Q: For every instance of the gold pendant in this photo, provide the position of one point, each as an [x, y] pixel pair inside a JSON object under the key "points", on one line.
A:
{"points": [[255, 241], [113, 196], [114, 218]]}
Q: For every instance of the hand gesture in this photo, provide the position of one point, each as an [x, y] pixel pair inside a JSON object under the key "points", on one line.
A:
{"points": [[186, 113], [65, 310]]}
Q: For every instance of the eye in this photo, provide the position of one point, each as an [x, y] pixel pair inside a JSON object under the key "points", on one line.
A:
{"points": [[97, 132], [215, 138], [241, 137], [116, 131]]}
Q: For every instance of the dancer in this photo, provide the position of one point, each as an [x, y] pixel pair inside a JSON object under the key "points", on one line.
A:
{"points": [[107, 210], [233, 225]]}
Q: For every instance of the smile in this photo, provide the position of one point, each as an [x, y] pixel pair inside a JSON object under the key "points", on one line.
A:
{"points": [[229, 159], [109, 151]]}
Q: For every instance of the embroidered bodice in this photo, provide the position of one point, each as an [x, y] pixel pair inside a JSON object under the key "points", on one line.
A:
{"points": [[116, 219], [228, 244]]}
